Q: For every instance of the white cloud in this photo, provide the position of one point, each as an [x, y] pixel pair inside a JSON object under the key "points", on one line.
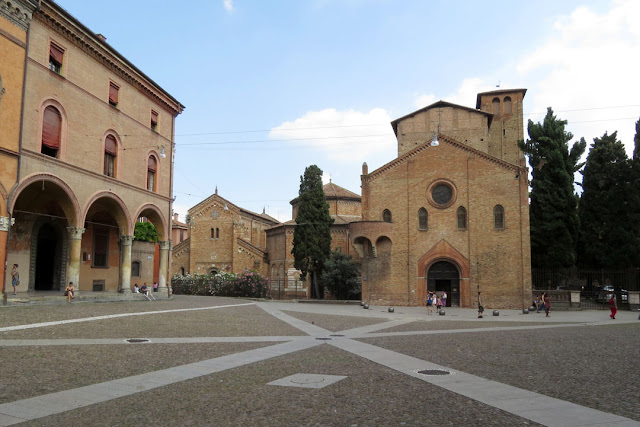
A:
{"points": [[589, 63], [343, 136], [228, 5]]}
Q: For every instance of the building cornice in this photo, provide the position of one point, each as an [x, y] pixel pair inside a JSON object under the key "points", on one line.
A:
{"points": [[18, 12], [56, 18]]}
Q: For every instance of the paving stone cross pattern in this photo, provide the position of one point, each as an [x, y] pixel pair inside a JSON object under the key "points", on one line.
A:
{"points": [[523, 403]]}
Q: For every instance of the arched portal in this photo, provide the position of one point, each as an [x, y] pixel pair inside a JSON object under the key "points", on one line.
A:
{"points": [[444, 276]]}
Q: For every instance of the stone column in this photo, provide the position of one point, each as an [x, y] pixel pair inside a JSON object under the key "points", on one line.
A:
{"points": [[163, 268], [75, 254], [125, 266], [5, 223]]}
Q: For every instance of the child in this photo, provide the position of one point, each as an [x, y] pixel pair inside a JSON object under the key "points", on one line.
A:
{"points": [[135, 289], [15, 278]]}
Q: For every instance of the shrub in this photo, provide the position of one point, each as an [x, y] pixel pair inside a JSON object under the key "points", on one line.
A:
{"points": [[248, 284]]}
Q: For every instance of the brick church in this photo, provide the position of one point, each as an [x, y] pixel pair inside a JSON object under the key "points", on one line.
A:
{"points": [[449, 213]]}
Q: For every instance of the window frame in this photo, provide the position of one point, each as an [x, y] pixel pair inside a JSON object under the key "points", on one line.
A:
{"points": [[110, 158], [423, 225], [114, 95], [461, 211], [499, 217], [139, 264], [55, 64], [153, 174], [387, 216], [154, 123]]}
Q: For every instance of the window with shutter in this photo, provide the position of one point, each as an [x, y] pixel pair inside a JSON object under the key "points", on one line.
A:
{"points": [[110, 155], [56, 54], [51, 126], [151, 173], [113, 93]]}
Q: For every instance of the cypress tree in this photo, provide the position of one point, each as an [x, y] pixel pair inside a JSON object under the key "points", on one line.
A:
{"points": [[312, 234], [553, 211], [607, 237]]}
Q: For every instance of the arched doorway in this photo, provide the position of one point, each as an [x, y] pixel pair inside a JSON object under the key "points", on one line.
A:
{"points": [[444, 276], [48, 247]]}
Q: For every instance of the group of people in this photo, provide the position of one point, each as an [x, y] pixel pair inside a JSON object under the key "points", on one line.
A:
{"points": [[144, 289], [542, 302], [433, 300]]}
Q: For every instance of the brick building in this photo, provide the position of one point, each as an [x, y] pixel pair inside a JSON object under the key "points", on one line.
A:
{"points": [[344, 207], [449, 214], [97, 138], [15, 17], [222, 237]]}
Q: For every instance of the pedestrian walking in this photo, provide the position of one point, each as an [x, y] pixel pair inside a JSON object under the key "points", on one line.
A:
{"points": [[15, 278], [613, 306], [429, 303], [547, 304], [480, 307], [444, 298]]}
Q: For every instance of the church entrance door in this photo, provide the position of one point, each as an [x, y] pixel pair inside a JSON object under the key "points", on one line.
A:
{"points": [[444, 276]]}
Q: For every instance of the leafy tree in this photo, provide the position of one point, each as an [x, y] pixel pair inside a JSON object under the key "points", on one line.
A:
{"points": [[145, 232], [312, 234], [607, 237], [636, 140], [553, 214], [340, 276]]}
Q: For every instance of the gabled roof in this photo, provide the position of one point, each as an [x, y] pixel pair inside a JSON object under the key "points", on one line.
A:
{"points": [[335, 192], [230, 205], [439, 104], [498, 92], [442, 139]]}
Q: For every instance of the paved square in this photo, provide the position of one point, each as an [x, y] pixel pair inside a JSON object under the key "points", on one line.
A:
{"points": [[214, 361]]}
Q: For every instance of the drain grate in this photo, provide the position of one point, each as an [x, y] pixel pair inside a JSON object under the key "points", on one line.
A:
{"points": [[324, 339], [137, 340], [336, 335], [434, 372]]}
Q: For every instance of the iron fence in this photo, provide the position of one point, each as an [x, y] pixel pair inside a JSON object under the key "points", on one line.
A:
{"points": [[287, 289]]}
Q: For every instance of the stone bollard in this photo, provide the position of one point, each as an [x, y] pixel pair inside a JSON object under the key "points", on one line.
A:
{"points": [[532, 309], [391, 310], [441, 312], [365, 306], [362, 303], [496, 313], [525, 311]]}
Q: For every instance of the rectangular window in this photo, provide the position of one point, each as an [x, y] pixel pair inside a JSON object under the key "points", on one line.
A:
{"points": [[100, 247], [154, 120], [56, 54], [182, 235], [113, 94], [135, 269]]}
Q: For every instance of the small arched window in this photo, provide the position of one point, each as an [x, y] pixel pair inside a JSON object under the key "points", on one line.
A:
{"points": [[423, 219], [182, 270], [217, 233], [51, 129], [386, 215], [498, 217], [151, 173], [507, 105], [495, 106], [461, 213], [110, 155], [213, 233]]}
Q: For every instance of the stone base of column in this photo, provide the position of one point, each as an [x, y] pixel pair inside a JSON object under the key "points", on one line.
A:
{"points": [[163, 292]]}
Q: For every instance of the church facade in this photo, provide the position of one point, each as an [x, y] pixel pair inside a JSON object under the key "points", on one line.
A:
{"points": [[451, 212]]}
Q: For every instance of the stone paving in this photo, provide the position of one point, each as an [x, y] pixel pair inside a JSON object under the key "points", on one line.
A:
{"points": [[222, 361]]}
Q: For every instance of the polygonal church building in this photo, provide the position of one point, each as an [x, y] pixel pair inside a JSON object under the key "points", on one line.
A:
{"points": [[451, 212]]}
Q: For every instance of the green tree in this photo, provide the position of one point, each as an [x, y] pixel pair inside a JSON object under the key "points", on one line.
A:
{"points": [[607, 237], [636, 140], [312, 234], [340, 276], [145, 232], [553, 211]]}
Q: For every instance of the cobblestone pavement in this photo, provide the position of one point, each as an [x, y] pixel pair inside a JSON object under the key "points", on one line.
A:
{"points": [[212, 361]]}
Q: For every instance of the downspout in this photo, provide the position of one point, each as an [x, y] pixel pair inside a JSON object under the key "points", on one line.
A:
{"points": [[169, 232]]}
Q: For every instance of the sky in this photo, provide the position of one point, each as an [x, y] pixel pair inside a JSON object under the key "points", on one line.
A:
{"points": [[271, 87]]}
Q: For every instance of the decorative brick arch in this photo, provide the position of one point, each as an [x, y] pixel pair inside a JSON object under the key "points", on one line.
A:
{"points": [[443, 251], [124, 222], [163, 232], [46, 177]]}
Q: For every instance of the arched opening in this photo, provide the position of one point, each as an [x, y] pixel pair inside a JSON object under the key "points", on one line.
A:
{"points": [[443, 276], [498, 217], [507, 105], [386, 215], [423, 219], [461, 213]]}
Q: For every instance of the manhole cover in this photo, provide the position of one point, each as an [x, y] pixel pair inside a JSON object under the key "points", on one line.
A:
{"points": [[336, 335], [324, 339], [137, 340], [434, 372]]}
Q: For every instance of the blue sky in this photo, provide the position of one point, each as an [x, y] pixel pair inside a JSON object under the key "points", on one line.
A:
{"points": [[271, 87]]}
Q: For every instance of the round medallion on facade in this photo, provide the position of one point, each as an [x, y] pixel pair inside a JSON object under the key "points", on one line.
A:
{"points": [[441, 194]]}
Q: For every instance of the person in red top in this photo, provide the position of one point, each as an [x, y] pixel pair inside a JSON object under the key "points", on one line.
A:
{"points": [[613, 305]]}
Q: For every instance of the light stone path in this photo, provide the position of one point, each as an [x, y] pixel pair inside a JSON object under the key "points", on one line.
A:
{"points": [[511, 399]]}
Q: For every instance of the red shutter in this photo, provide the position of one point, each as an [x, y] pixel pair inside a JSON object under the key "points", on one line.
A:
{"points": [[56, 53], [51, 124], [154, 118], [152, 164], [113, 93], [110, 145]]}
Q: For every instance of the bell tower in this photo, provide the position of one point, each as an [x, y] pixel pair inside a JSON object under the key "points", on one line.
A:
{"points": [[506, 127]]}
